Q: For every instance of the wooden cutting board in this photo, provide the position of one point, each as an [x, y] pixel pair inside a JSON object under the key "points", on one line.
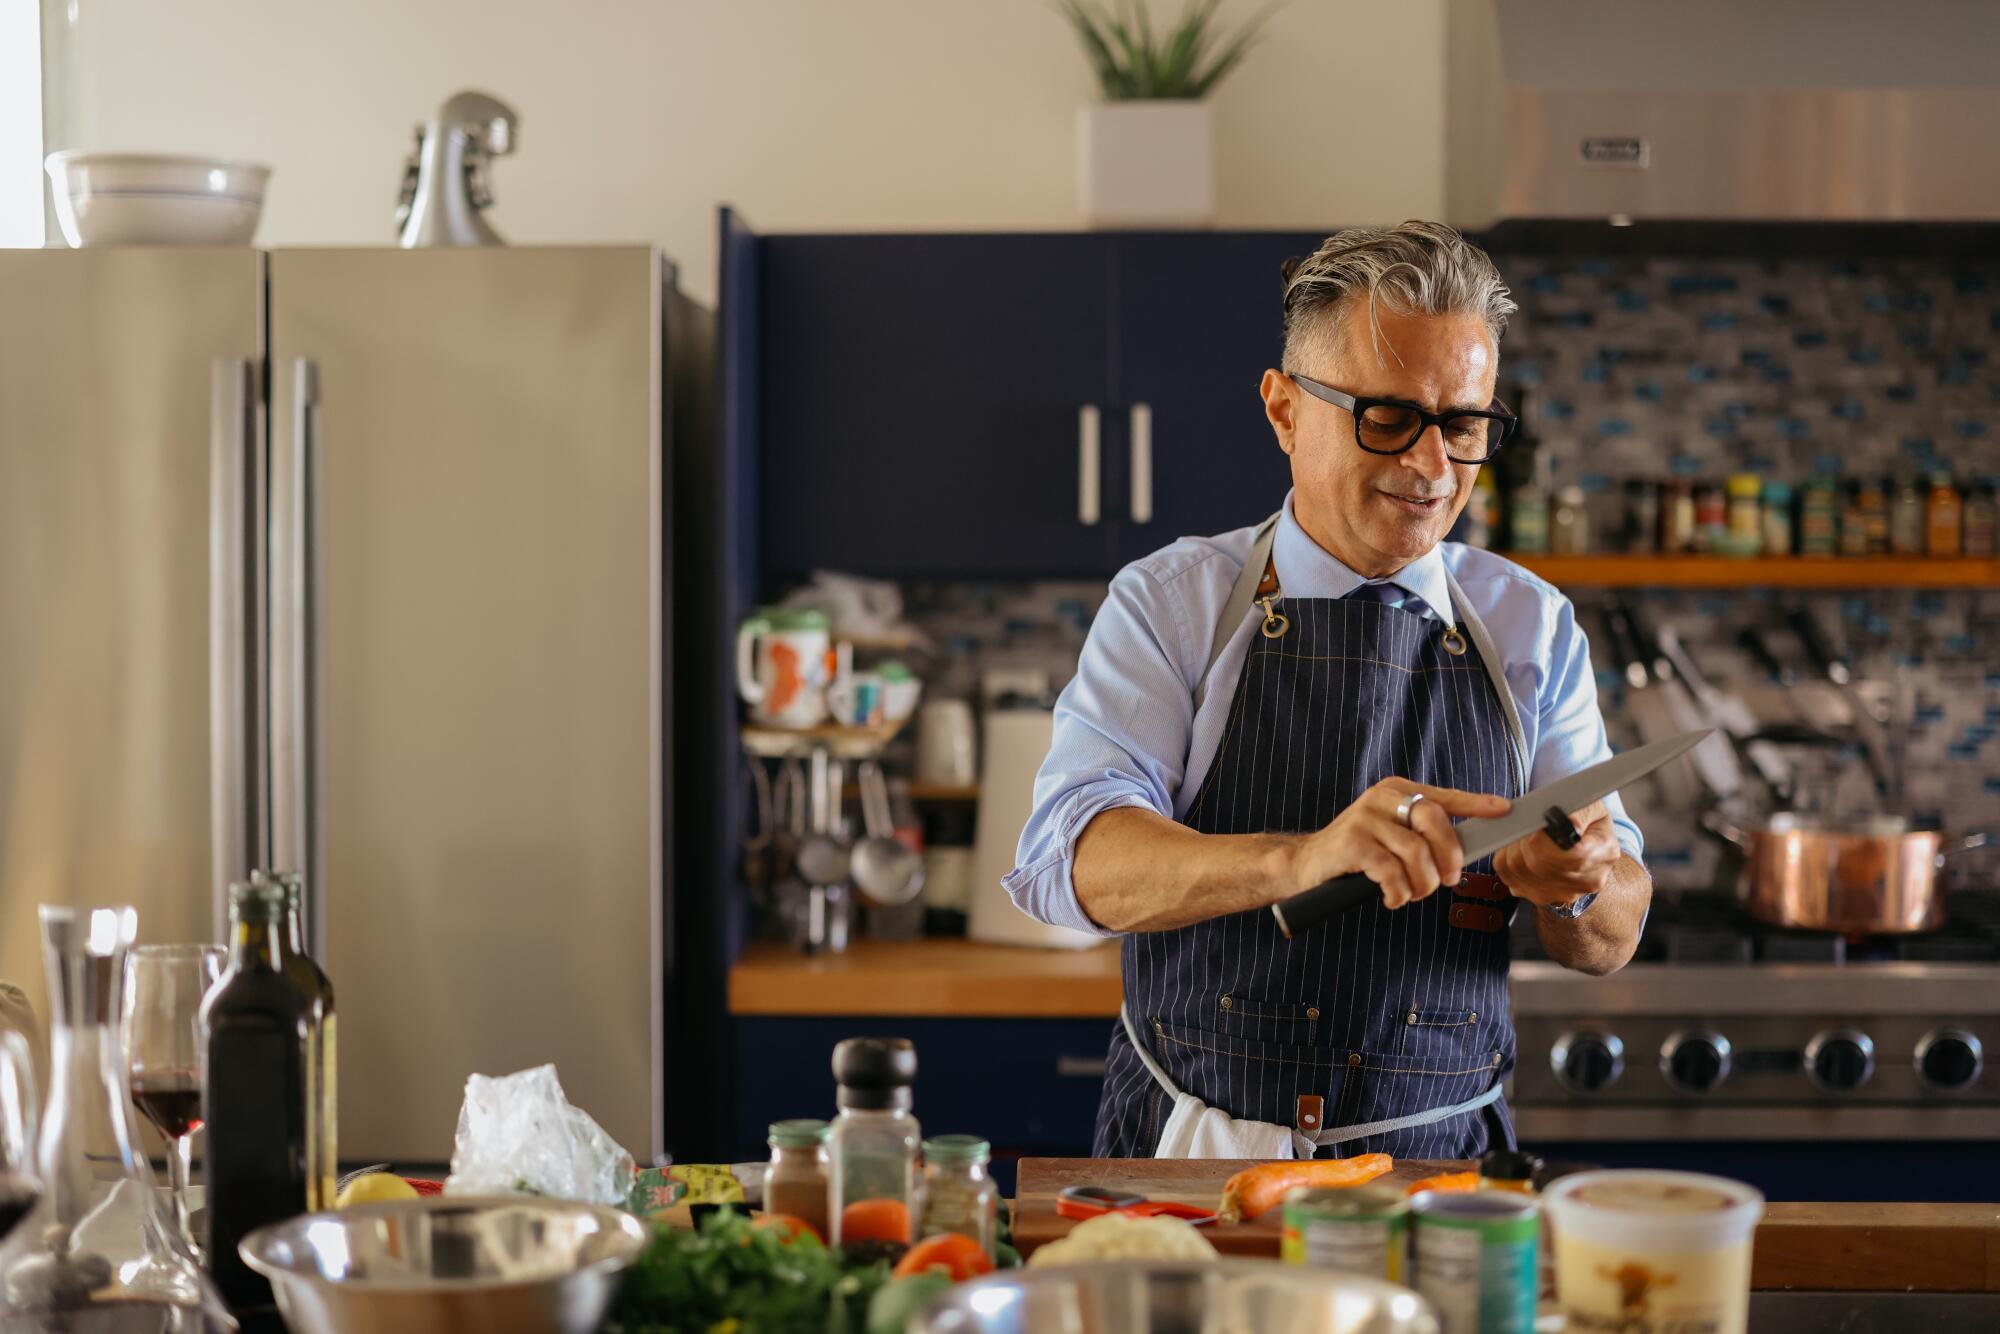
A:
{"points": [[1836, 1247], [1187, 1180]]}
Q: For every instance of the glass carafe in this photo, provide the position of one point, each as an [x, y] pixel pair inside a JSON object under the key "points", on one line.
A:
{"points": [[99, 1254]]}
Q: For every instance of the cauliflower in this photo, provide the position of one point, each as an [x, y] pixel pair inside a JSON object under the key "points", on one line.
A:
{"points": [[1123, 1237]]}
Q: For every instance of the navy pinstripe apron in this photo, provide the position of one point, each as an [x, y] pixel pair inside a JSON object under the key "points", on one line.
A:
{"points": [[1377, 1014]]}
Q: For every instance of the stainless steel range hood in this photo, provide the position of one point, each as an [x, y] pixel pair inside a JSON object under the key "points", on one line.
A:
{"points": [[1834, 110]]}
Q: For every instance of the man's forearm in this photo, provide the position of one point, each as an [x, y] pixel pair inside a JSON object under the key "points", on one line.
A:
{"points": [[1603, 939], [1136, 870]]}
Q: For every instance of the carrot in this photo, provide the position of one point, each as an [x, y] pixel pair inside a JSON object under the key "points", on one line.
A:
{"points": [[1257, 1189], [1447, 1181]]}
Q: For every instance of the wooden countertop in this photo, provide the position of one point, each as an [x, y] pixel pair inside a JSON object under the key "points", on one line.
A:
{"points": [[1823, 1247], [921, 978]]}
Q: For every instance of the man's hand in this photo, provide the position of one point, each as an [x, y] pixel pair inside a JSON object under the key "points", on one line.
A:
{"points": [[1537, 870], [1408, 863]]}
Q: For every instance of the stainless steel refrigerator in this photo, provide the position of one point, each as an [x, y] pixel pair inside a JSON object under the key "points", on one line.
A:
{"points": [[353, 561]]}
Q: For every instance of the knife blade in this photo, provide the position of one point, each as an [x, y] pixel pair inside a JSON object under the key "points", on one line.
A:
{"points": [[1482, 835]]}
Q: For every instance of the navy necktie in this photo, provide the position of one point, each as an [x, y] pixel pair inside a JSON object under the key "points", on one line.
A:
{"points": [[1389, 595]]}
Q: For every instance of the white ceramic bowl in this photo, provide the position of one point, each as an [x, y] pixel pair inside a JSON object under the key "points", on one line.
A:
{"points": [[156, 198]]}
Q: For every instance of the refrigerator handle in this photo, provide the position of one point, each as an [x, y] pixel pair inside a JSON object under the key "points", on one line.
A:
{"points": [[295, 835], [238, 740]]}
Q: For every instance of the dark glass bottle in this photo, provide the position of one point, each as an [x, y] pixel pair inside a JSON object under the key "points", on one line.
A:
{"points": [[322, 1070], [258, 1024]]}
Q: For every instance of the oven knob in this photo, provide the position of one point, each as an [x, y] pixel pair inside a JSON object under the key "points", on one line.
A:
{"points": [[1840, 1060], [1949, 1058], [1695, 1062], [1588, 1062]]}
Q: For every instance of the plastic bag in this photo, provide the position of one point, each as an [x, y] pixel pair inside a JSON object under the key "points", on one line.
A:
{"points": [[518, 1135]]}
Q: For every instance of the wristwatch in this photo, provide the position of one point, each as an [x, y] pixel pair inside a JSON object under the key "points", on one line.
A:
{"points": [[1575, 908]]}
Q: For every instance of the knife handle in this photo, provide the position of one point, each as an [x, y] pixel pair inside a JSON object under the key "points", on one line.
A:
{"points": [[1309, 908]]}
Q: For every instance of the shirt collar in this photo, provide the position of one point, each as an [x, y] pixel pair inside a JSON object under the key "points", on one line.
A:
{"points": [[1308, 570]]}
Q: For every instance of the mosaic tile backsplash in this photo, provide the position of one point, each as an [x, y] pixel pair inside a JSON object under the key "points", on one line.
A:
{"points": [[1656, 368]]}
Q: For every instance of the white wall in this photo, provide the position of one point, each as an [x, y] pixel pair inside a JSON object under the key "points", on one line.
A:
{"points": [[638, 118]]}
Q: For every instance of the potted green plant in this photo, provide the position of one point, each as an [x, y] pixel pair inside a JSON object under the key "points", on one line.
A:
{"points": [[1145, 155]]}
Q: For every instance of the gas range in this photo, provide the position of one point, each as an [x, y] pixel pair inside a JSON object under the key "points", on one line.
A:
{"points": [[1758, 1051]]}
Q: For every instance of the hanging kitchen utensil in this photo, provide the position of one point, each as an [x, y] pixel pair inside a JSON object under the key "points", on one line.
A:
{"points": [[1713, 762], [1735, 718], [1646, 702], [1547, 807], [885, 871], [1868, 729]]}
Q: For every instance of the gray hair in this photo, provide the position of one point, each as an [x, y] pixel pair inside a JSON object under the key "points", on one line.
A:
{"points": [[1420, 268]]}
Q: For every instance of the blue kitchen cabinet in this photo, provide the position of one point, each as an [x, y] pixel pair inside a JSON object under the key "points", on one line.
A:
{"points": [[926, 405], [1198, 318], [1028, 1085]]}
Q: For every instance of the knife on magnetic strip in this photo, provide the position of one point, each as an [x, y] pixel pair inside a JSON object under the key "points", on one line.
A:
{"points": [[1481, 836]]}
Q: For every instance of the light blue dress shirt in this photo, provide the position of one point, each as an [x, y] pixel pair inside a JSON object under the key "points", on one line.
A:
{"points": [[1126, 729]]}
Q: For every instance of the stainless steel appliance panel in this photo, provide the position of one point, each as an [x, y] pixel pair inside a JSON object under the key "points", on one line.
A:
{"points": [[122, 421], [466, 659]]}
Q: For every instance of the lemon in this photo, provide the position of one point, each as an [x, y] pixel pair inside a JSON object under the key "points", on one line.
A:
{"points": [[374, 1189]]}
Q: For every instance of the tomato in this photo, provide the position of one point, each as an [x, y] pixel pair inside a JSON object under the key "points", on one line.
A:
{"points": [[789, 1227], [955, 1253], [875, 1220]]}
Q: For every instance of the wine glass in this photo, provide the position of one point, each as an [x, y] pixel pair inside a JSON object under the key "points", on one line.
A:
{"points": [[19, 1182], [164, 985]]}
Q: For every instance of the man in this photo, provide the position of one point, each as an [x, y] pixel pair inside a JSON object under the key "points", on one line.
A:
{"points": [[1258, 712]]}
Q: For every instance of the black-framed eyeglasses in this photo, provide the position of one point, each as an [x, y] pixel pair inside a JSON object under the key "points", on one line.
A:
{"points": [[1392, 426]]}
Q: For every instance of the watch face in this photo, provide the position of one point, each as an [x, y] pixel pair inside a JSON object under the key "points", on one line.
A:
{"points": [[1575, 908]]}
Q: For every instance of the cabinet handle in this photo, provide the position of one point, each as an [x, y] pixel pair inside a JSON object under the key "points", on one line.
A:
{"points": [[1142, 463], [295, 723], [1089, 479], [237, 738]]}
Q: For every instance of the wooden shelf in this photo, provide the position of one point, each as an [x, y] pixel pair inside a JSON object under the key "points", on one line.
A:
{"points": [[928, 978], [1610, 571]]}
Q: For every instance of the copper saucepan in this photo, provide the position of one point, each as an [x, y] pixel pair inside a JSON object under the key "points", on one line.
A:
{"points": [[1857, 877]]}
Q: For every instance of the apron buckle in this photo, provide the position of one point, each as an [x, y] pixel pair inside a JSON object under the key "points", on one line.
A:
{"points": [[1275, 622]]}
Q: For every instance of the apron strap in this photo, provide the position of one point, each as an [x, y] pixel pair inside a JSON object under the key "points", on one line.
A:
{"points": [[1475, 629], [1242, 595]]}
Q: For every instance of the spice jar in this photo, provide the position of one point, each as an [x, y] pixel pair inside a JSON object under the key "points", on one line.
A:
{"points": [[958, 1194], [1777, 519], [1677, 519], [1711, 517], [872, 1146], [1906, 519], [796, 1181], [1642, 517], [1981, 525], [1745, 529], [1569, 523], [1819, 518], [1941, 517]]}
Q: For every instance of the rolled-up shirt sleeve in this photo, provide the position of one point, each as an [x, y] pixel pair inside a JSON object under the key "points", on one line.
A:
{"points": [[1571, 732], [1121, 739]]}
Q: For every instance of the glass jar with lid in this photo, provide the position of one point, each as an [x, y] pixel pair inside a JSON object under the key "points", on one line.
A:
{"points": [[959, 1196], [796, 1181], [872, 1146]]}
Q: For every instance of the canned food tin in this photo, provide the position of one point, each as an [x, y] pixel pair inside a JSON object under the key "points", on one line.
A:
{"points": [[1353, 1229], [1474, 1256]]}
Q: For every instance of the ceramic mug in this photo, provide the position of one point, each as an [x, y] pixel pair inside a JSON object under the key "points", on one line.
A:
{"points": [[781, 666], [856, 700], [900, 691]]}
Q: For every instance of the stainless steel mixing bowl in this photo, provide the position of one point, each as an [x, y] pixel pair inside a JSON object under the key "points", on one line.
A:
{"points": [[1149, 1297], [498, 1266]]}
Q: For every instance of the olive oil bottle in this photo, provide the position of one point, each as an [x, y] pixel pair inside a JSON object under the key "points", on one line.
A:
{"points": [[322, 1082]]}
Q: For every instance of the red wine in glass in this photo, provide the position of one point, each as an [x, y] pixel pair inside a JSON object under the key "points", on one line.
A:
{"points": [[170, 1099]]}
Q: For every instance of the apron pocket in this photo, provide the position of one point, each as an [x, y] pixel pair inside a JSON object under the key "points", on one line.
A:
{"points": [[1258, 1018], [1437, 1034], [1390, 1084], [1250, 1078]]}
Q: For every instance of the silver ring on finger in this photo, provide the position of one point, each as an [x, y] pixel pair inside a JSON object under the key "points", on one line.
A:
{"points": [[1407, 807]]}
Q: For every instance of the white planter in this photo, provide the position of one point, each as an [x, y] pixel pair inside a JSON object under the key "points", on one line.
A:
{"points": [[1146, 164]]}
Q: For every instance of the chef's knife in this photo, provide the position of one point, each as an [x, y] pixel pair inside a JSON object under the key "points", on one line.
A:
{"points": [[1480, 836]]}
